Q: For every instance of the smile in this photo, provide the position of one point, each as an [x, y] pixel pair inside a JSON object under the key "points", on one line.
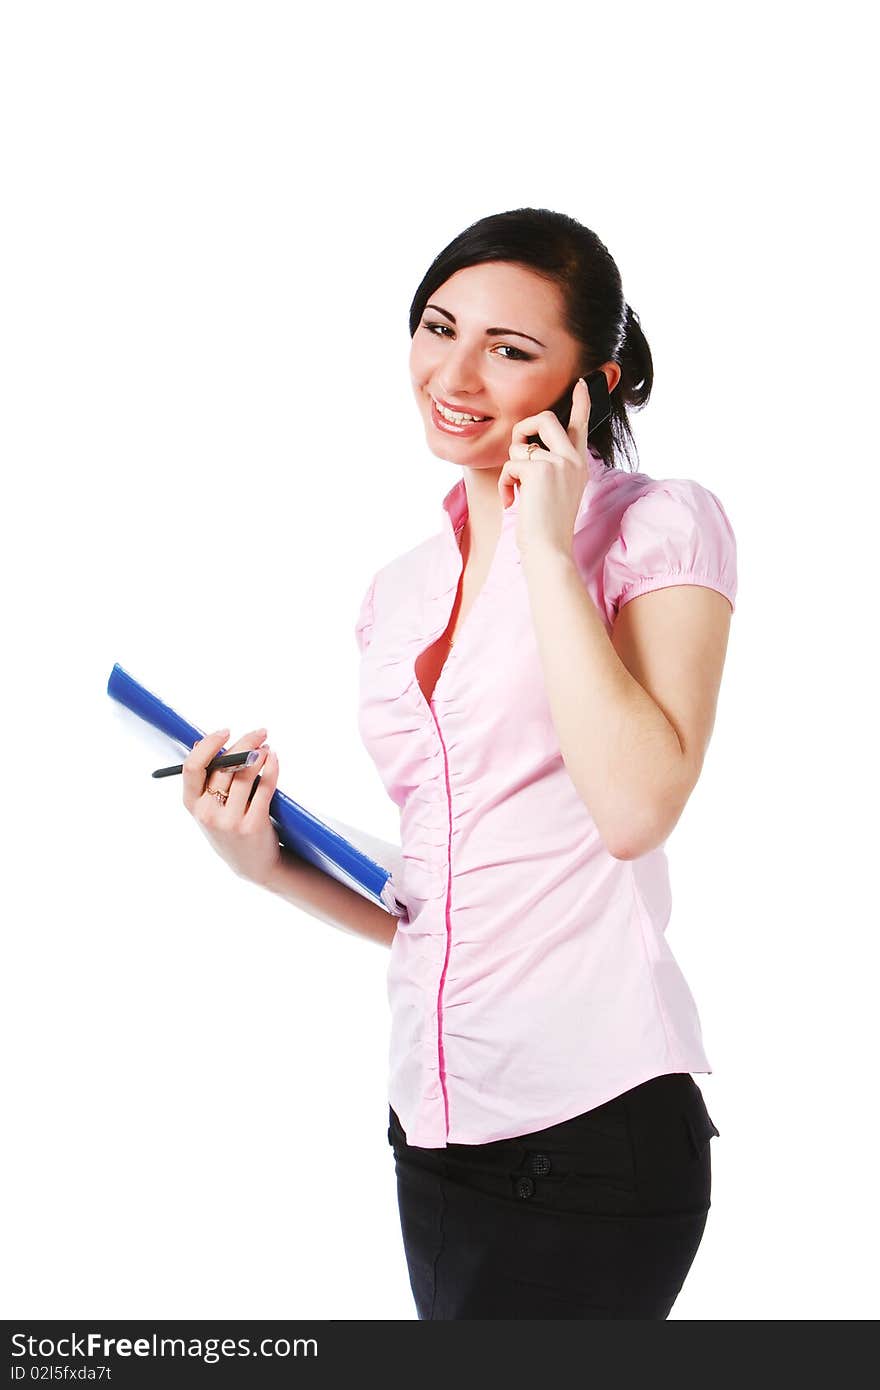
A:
{"points": [[452, 422]]}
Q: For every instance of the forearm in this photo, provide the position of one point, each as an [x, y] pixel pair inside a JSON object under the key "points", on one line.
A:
{"points": [[300, 883], [621, 752]]}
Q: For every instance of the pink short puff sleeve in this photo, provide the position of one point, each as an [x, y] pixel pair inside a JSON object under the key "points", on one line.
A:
{"points": [[675, 532], [364, 624]]}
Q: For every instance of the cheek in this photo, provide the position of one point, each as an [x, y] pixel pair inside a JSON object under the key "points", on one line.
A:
{"points": [[421, 359], [515, 403]]}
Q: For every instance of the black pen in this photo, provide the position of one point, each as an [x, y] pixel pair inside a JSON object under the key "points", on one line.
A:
{"points": [[224, 760]]}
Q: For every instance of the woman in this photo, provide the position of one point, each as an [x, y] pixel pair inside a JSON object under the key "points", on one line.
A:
{"points": [[538, 688]]}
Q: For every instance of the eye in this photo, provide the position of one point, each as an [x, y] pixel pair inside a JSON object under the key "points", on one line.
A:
{"points": [[506, 347]]}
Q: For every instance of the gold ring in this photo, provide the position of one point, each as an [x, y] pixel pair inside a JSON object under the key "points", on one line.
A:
{"points": [[222, 797], [531, 447]]}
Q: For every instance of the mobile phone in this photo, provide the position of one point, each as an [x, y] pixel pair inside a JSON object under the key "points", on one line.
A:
{"points": [[600, 404]]}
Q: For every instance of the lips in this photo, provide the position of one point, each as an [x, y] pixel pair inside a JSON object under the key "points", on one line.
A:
{"points": [[458, 431], [460, 409]]}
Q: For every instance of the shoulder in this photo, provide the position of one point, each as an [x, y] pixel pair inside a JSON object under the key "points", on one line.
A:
{"points": [[680, 503], [629, 497], [665, 531], [409, 566], [401, 580]]}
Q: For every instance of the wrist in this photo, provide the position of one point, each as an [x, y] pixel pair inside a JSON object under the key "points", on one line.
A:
{"points": [[547, 555], [271, 879]]}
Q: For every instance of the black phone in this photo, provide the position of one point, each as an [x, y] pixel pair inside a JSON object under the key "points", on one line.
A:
{"points": [[600, 404]]}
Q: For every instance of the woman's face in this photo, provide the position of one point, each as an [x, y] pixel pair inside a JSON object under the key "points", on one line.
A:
{"points": [[490, 343]]}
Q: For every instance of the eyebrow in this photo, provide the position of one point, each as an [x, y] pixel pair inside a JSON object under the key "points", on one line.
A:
{"points": [[491, 332]]}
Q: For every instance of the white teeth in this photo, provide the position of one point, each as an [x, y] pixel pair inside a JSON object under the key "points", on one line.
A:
{"points": [[455, 417]]}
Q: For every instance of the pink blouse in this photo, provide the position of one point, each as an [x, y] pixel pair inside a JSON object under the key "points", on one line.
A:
{"points": [[531, 979]]}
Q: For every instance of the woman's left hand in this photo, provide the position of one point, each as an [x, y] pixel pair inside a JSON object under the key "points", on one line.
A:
{"points": [[552, 481]]}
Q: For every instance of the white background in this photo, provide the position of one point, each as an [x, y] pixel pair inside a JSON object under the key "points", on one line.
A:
{"points": [[215, 219]]}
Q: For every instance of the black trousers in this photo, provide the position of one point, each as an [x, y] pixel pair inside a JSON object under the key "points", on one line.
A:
{"points": [[597, 1217]]}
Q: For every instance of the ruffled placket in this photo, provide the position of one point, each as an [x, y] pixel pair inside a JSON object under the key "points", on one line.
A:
{"points": [[442, 804]]}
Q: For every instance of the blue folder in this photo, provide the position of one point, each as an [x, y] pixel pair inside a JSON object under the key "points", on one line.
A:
{"points": [[297, 828]]}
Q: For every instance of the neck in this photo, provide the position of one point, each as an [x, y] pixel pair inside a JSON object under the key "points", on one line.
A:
{"points": [[485, 511]]}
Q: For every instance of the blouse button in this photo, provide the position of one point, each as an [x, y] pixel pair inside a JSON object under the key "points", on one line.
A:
{"points": [[524, 1187], [539, 1164]]}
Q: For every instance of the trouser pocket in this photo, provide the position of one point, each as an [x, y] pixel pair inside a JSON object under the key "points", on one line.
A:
{"points": [[671, 1128], [700, 1125]]}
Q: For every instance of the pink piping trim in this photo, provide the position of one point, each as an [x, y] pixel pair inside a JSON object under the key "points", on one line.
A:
{"points": [[441, 1055]]}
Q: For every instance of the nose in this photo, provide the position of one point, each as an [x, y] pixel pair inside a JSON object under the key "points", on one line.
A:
{"points": [[460, 376]]}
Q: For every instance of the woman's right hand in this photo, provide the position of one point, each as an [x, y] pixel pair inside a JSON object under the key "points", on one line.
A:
{"points": [[239, 829]]}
